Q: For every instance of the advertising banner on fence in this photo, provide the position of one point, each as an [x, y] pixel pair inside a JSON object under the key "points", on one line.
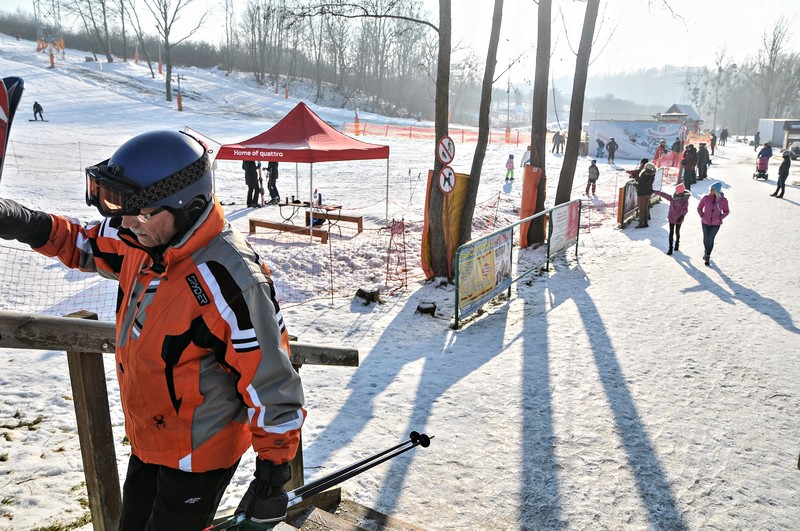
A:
{"points": [[484, 271], [637, 140], [564, 223]]}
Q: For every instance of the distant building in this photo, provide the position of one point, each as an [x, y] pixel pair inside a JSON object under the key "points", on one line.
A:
{"points": [[678, 110]]}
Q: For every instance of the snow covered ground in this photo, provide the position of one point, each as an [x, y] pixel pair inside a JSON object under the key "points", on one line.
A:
{"points": [[624, 389]]}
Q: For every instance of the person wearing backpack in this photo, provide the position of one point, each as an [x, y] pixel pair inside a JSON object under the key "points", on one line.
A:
{"points": [[600, 146]]}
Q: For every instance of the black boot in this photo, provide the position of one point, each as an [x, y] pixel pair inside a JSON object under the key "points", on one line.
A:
{"points": [[677, 243], [669, 251]]}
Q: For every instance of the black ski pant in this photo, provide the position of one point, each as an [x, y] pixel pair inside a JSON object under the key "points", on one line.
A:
{"points": [[272, 188], [674, 228], [252, 190], [158, 498]]}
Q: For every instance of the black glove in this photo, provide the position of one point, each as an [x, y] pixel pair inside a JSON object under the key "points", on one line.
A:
{"points": [[265, 500], [23, 224]]}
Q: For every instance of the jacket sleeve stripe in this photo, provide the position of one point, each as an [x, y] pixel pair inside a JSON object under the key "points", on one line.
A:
{"points": [[258, 412], [242, 340]]}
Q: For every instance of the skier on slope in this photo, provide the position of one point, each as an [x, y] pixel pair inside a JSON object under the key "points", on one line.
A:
{"points": [[202, 352]]}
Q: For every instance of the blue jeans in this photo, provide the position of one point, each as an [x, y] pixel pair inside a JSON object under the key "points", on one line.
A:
{"points": [[709, 233]]}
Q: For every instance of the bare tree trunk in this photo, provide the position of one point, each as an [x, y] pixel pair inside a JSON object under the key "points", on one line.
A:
{"points": [[230, 36], [539, 123], [465, 231], [165, 13], [576, 106], [133, 16], [124, 34], [438, 251]]}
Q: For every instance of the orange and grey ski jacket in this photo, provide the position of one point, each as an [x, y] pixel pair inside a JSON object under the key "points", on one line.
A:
{"points": [[202, 351]]}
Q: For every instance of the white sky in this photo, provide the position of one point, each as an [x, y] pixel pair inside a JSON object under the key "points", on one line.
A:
{"points": [[644, 32]]}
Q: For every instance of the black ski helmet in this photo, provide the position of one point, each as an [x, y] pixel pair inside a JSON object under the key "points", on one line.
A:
{"points": [[156, 169]]}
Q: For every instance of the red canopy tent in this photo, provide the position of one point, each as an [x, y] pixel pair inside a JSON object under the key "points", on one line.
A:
{"points": [[302, 136]]}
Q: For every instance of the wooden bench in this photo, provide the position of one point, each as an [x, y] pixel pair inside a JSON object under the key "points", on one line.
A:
{"points": [[335, 218], [287, 227]]}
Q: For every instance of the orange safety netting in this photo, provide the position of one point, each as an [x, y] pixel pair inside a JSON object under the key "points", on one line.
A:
{"points": [[418, 132]]}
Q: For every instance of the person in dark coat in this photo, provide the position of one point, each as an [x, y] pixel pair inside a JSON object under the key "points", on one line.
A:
{"points": [[703, 160], [556, 142], [723, 137], [783, 174], [644, 189], [713, 142], [688, 164], [634, 173], [250, 168], [676, 146], [37, 111], [756, 140], [272, 185], [611, 147]]}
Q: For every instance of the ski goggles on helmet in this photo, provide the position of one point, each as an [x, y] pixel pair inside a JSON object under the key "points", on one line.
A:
{"points": [[114, 195]]}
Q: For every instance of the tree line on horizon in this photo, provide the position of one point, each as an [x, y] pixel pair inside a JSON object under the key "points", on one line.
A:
{"points": [[387, 66]]}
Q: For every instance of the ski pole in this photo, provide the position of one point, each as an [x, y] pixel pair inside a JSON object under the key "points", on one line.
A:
{"points": [[315, 487], [413, 437], [302, 493]]}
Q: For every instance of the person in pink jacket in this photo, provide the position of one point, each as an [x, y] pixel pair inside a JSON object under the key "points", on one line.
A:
{"points": [[678, 207], [713, 208]]}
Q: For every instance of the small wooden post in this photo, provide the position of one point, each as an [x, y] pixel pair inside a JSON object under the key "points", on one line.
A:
{"points": [[90, 394]]}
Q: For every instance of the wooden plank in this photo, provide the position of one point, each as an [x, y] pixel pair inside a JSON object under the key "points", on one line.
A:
{"points": [[327, 500], [90, 397], [358, 220], [319, 520], [46, 332], [287, 227], [356, 513]]}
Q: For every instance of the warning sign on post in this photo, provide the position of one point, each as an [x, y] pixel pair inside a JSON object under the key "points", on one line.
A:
{"points": [[446, 150], [447, 179]]}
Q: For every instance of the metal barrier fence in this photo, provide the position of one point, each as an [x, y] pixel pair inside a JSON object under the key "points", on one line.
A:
{"points": [[485, 267]]}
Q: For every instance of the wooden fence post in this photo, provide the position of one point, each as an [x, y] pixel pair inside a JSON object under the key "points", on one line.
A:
{"points": [[90, 395], [296, 464]]}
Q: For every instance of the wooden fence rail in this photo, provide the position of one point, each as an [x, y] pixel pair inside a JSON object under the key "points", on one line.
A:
{"points": [[85, 342]]}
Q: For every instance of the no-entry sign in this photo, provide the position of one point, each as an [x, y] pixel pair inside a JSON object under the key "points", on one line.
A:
{"points": [[446, 150]]}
